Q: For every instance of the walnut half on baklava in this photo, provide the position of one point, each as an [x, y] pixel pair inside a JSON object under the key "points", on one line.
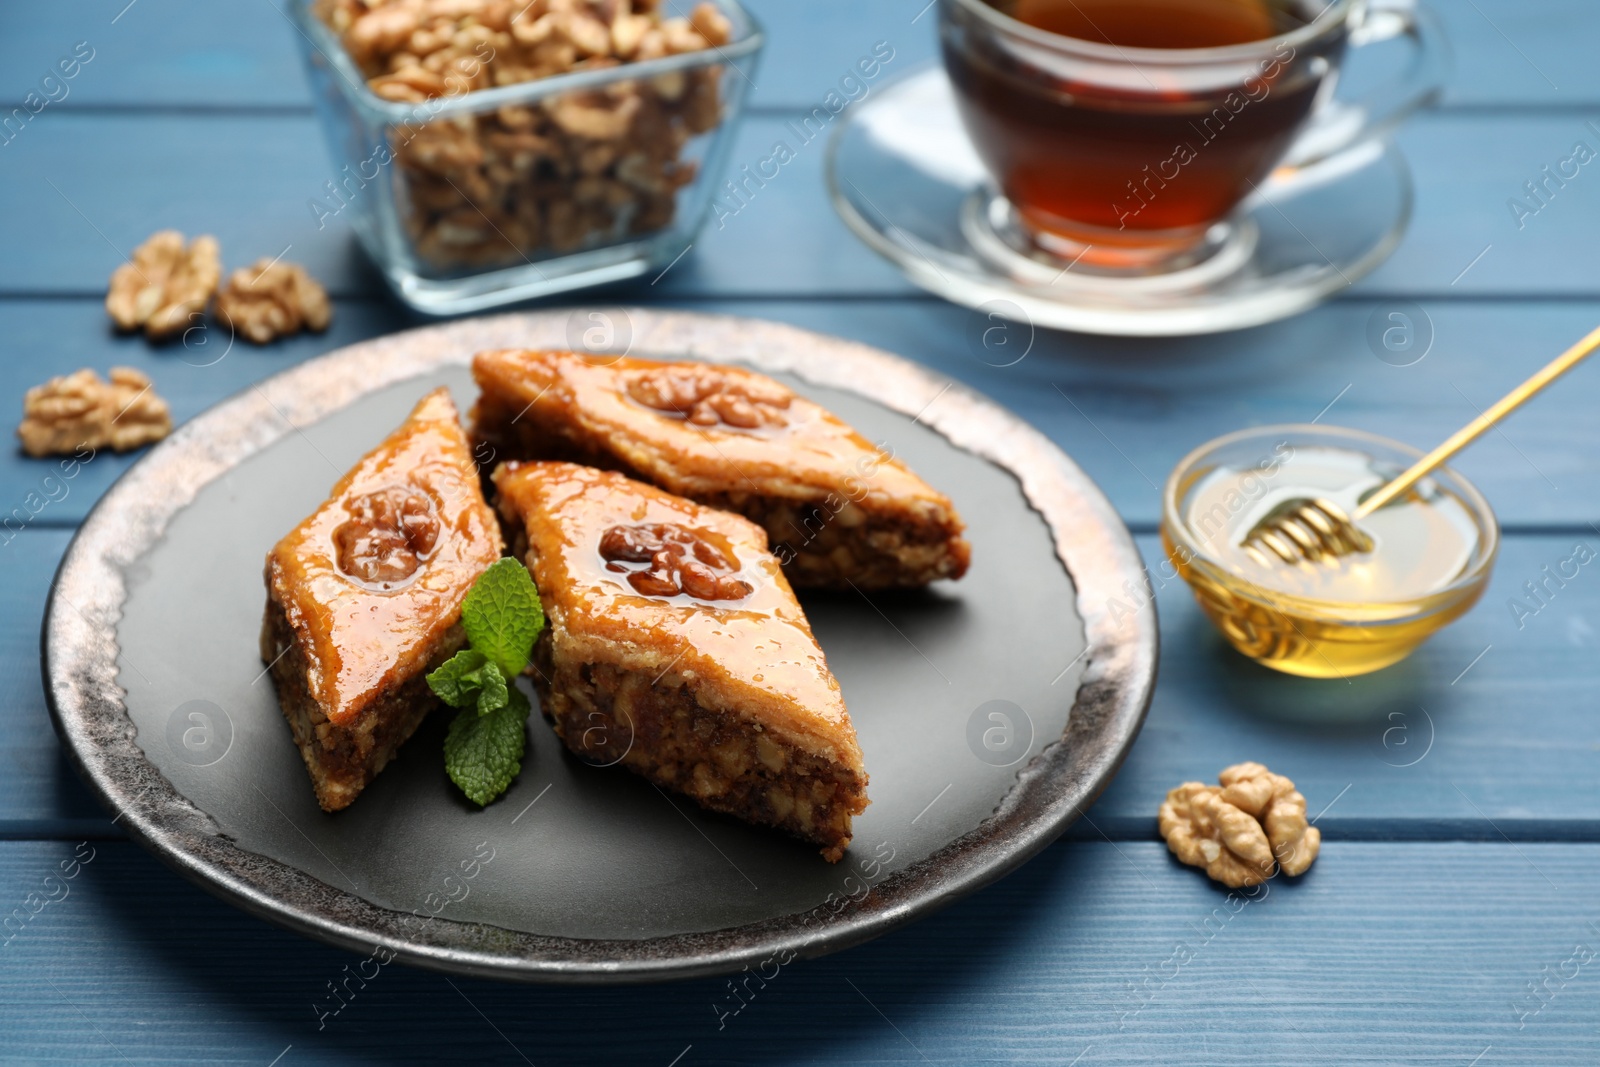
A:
{"points": [[676, 648], [837, 509], [364, 598]]}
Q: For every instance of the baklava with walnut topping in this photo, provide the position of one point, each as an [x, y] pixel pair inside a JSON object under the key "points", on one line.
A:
{"points": [[837, 509], [676, 648], [364, 598]]}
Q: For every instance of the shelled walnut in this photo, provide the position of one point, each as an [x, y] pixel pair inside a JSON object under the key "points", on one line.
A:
{"points": [[389, 535], [705, 396], [80, 410], [165, 285], [1281, 809], [576, 170], [272, 299], [677, 561], [1243, 830]]}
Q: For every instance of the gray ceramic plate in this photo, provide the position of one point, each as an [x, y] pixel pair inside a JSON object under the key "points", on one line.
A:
{"points": [[990, 711]]}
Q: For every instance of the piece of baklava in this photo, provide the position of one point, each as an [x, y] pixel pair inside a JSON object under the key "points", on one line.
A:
{"points": [[837, 509], [676, 648], [364, 598]]}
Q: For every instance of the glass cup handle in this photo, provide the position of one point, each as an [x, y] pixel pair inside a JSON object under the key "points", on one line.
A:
{"points": [[1339, 124]]}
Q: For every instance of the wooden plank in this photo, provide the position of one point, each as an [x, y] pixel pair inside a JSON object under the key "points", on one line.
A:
{"points": [[248, 180], [1382, 954], [253, 183], [251, 179], [173, 53], [1127, 411], [1475, 735], [1438, 746], [39, 792], [1477, 230], [1508, 52]]}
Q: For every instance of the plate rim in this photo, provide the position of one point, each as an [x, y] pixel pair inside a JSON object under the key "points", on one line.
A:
{"points": [[79, 650]]}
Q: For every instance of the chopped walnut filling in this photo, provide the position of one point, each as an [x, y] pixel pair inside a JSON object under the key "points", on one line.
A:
{"points": [[677, 560], [658, 728], [165, 285], [573, 170], [1240, 831], [823, 546], [272, 299], [707, 397], [343, 759], [82, 411], [389, 535]]}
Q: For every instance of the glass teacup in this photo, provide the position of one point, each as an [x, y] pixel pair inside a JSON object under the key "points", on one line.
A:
{"points": [[1130, 159]]}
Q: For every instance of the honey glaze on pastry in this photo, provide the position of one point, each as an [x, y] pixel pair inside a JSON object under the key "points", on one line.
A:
{"points": [[838, 510], [364, 598], [676, 648]]}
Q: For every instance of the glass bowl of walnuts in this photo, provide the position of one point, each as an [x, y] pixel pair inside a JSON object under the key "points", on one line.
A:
{"points": [[496, 150]]}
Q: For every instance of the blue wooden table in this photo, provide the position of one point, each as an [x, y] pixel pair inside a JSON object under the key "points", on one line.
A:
{"points": [[1453, 917]]}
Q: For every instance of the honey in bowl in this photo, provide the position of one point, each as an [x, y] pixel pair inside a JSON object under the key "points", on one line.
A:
{"points": [[1431, 556]]}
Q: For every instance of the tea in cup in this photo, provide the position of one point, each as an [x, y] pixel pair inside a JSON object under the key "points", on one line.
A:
{"points": [[1122, 134]]}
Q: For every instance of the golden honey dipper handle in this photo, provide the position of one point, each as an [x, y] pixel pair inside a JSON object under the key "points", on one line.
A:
{"points": [[1472, 430]]}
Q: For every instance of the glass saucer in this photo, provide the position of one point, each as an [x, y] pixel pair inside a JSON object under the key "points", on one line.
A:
{"points": [[903, 175]]}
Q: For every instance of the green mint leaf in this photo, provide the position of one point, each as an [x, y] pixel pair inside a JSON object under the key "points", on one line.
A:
{"points": [[503, 616], [493, 691], [456, 680], [483, 753]]}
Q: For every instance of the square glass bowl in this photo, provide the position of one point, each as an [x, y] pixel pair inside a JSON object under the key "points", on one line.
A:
{"points": [[495, 195]]}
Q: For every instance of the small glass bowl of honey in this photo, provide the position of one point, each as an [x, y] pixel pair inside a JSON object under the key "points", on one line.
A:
{"points": [[1433, 549]]}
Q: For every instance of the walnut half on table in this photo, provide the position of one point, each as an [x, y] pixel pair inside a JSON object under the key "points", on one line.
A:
{"points": [[272, 299], [1242, 831], [165, 285], [81, 411]]}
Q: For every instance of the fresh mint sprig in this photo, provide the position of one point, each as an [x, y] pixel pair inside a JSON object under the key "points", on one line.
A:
{"points": [[503, 618], [483, 753]]}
